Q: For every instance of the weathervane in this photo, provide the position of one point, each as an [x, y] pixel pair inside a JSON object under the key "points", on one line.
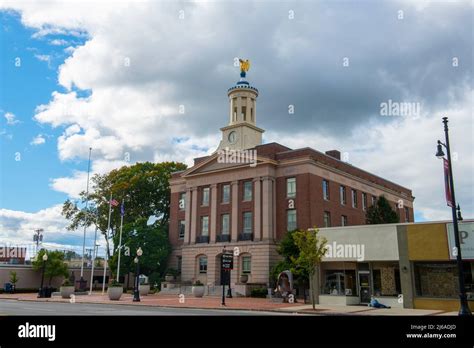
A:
{"points": [[244, 67]]}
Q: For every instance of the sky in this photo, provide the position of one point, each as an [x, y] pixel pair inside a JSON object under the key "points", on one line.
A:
{"points": [[147, 81]]}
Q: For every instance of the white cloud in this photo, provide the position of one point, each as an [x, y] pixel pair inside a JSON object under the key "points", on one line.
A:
{"points": [[137, 86], [38, 140], [11, 118], [43, 57], [58, 42]]}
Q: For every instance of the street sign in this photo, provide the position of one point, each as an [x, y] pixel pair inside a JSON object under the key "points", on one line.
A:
{"points": [[227, 262]]}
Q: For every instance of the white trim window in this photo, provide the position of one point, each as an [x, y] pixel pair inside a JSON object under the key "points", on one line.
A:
{"points": [[364, 201], [203, 264], [247, 191], [291, 187], [291, 220], [205, 196], [327, 219], [326, 190], [204, 225], [343, 220], [246, 264], [342, 194], [225, 222], [226, 193], [182, 228], [354, 198], [247, 222]]}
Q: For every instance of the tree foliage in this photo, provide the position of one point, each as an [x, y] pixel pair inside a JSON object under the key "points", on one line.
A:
{"points": [[143, 187], [153, 240], [288, 249], [55, 265], [381, 213], [311, 250]]}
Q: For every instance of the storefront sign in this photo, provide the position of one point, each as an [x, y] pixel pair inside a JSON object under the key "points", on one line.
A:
{"points": [[466, 239]]}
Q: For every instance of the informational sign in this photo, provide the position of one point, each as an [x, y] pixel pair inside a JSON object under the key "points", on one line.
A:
{"points": [[227, 262], [466, 240]]}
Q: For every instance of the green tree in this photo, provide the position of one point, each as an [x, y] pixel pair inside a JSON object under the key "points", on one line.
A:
{"points": [[289, 251], [153, 239], [311, 250], [55, 265], [13, 278], [144, 189], [381, 213]]}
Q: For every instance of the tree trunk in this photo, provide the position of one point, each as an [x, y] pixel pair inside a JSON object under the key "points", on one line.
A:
{"points": [[311, 292]]}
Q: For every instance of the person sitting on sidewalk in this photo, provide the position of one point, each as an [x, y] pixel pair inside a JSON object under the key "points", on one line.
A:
{"points": [[376, 304]]}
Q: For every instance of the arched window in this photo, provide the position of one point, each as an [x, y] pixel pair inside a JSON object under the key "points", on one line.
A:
{"points": [[202, 264]]}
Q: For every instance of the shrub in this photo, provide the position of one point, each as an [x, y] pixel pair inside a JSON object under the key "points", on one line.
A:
{"points": [[259, 292], [115, 284], [67, 282], [198, 283]]}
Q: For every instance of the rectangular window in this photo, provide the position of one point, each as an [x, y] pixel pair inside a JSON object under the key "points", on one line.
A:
{"points": [[247, 191], [326, 190], [248, 222], [205, 196], [354, 198], [364, 201], [225, 193], [203, 264], [343, 220], [407, 214], [180, 262], [182, 201], [327, 219], [246, 264], [291, 187], [291, 220], [225, 218], [374, 199], [182, 225], [342, 194], [204, 225]]}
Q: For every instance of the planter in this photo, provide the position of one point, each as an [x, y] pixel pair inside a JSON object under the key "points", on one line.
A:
{"points": [[66, 291], [169, 278], [144, 289], [244, 278], [198, 291], [115, 293]]}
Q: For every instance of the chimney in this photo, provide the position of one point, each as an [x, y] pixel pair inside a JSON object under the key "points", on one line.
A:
{"points": [[334, 154]]}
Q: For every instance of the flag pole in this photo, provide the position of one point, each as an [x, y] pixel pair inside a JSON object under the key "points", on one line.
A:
{"points": [[120, 240], [93, 260], [107, 237], [85, 224]]}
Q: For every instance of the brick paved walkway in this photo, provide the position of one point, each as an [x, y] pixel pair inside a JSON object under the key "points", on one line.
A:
{"points": [[242, 303]]}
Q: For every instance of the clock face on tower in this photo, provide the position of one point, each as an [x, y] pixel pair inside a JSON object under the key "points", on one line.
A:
{"points": [[232, 137]]}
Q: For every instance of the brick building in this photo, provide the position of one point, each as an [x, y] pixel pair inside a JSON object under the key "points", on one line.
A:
{"points": [[248, 194]]}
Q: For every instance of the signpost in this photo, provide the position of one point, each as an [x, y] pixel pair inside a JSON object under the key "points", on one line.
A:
{"points": [[227, 264]]}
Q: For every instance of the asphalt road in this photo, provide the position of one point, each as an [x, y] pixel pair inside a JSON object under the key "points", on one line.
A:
{"points": [[14, 307]]}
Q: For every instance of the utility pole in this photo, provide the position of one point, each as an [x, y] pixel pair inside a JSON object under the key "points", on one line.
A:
{"points": [[38, 237]]}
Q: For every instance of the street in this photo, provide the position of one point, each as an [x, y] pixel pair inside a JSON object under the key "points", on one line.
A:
{"points": [[14, 307]]}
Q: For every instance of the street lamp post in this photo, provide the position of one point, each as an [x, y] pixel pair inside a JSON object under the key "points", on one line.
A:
{"points": [[136, 292], [41, 290], [464, 310]]}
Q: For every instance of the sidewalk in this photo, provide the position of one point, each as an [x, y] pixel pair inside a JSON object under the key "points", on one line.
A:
{"points": [[236, 303]]}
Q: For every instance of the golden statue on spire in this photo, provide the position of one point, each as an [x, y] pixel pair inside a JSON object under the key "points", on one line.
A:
{"points": [[244, 67]]}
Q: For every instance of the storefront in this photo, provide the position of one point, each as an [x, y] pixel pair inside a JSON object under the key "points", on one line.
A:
{"points": [[409, 265]]}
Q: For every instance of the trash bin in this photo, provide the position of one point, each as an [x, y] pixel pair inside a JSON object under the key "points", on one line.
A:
{"points": [[81, 284], [8, 288]]}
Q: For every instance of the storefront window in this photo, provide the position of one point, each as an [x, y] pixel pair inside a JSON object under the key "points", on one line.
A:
{"points": [[440, 279], [386, 281], [340, 282]]}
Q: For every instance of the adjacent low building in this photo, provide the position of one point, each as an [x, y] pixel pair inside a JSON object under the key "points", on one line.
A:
{"points": [[408, 265]]}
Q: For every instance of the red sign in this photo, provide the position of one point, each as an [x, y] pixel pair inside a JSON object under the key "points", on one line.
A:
{"points": [[447, 184]]}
